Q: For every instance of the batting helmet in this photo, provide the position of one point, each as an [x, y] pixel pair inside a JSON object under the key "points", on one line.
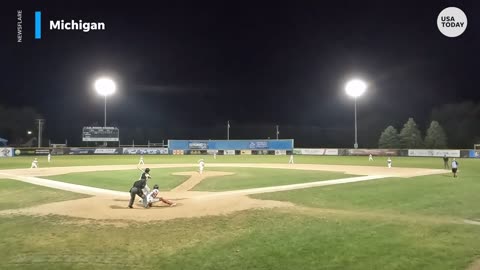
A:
{"points": [[155, 186], [147, 170]]}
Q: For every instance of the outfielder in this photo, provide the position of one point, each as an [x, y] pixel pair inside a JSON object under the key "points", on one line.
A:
{"points": [[152, 198], [49, 157], [141, 160], [290, 161], [34, 164], [370, 157], [201, 165]]}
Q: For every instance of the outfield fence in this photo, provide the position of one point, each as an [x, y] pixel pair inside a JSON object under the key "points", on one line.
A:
{"points": [[199, 149]]}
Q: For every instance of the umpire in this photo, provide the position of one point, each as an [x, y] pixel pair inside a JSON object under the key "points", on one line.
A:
{"points": [[445, 162], [137, 189]]}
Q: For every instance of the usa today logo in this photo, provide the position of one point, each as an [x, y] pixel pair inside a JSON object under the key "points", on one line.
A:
{"points": [[452, 22]]}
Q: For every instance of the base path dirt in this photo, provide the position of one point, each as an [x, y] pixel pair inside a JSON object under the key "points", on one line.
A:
{"points": [[475, 265], [195, 178], [112, 205]]}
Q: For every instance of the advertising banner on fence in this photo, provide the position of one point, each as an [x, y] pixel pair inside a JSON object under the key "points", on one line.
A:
{"points": [[81, 151], [42, 151], [107, 151], [229, 152], [60, 151], [316, 151], [198, 145], [211, 152], [280, 152], [375, 152], [6, 152], [258, 145], [246, 152], [433, 153], [145, 151], [177, 152], [96, 151], [474, 153], [25, 151]]}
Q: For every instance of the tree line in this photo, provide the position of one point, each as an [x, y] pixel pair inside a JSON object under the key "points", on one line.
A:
{"points": [[410, 137]]}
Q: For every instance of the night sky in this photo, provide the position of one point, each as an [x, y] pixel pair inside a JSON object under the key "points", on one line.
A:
{"points": [[185, 68]]}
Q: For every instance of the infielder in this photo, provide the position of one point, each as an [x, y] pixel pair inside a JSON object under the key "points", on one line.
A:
{"points": [[389, 162], [34, 164], [138, 189], [370, 157], [201, 165], [49, 157], [290, 161], [152, 198], [141, 160]]}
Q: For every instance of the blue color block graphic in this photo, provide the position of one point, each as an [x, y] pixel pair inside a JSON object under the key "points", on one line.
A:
{"points": [[38, 24]]}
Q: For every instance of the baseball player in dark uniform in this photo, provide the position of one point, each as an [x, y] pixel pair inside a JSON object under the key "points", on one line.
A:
{"points": [[137, 189], [445, 162]]}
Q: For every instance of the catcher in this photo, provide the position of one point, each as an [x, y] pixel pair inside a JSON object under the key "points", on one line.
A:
{"points": [[152, 198]]}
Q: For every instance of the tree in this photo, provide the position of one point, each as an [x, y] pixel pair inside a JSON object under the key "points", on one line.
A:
{"points": [[435, 137], [461, 122], [14, 123], [410, 136], [389, 138]]}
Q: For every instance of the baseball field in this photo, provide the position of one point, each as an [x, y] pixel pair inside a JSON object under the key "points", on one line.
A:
{"points": [[243, 212]]}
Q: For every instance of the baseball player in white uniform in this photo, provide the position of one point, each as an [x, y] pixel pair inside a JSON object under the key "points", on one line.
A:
{"points": [[290, 161], [49, 157], [201, 166], [389, 162], [370, 157], [34, 164], [215, 155], [141, 160], [152, 197]]}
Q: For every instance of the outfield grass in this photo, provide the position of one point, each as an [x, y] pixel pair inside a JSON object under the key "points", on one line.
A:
{"points": [[16, 194], [259, 177], [123, 180], [62, 161], [260, 239], [432, 195]]}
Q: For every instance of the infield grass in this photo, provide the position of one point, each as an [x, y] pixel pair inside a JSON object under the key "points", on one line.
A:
{"points": [[16, 194], [123, 180], [243, 178]]}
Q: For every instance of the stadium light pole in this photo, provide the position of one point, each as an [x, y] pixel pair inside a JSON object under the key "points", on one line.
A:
{"points": [[228, 130], [355, 88], [105, 87]]}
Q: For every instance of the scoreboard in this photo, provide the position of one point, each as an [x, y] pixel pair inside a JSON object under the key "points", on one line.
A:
{"points": [[100, 134]]}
